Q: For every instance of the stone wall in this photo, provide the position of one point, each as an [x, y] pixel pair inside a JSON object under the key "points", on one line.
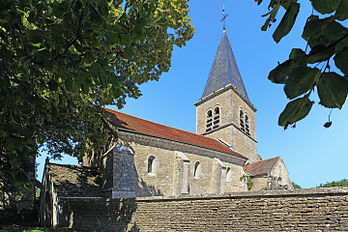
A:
{"points": [[323, 209], [173, 170]]}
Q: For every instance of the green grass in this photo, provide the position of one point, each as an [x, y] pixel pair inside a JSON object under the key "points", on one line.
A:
{"points": [[30, 229]]}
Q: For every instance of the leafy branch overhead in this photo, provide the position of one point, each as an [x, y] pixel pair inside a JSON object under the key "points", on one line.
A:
{"points": [[61, 60], [310, 69]]}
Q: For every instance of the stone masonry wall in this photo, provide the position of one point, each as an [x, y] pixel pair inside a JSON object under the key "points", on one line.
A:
{"points": [[167, 176], [297, 210]]}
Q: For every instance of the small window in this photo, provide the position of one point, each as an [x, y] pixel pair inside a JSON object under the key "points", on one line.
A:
{"points": [[242, 124], [213, 119], [217, 111], [216, 117], [151, 165], [241, 114], [196, 170], [247, 128], [244, 121], [228, 175], [209, 125]]}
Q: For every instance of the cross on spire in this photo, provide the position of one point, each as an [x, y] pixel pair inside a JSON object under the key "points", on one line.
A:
{"points": [[224, 17]]}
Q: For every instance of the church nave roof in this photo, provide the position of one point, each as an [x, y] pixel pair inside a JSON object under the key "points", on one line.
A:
{"points": [[133, 123]]}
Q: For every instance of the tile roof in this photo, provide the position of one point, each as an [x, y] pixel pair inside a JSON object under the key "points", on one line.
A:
{"points": [[139, 125], [224, 71], [261, 167], [75, 181]]}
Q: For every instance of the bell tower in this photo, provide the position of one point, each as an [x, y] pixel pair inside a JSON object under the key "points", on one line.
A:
{"points": [[224, 111]]}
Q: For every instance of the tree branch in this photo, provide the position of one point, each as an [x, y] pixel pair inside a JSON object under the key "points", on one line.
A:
{"points": [[74, 40]]}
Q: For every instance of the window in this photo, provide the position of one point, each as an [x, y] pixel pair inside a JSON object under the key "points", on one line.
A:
{"points": [[213, 119], [244, 121], [210, 114], [151, 165], [228, 175], [247, 128], [209, 120], [241, 116], [216, 117], [196, 170]]}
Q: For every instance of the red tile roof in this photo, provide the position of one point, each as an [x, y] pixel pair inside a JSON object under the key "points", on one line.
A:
{"points": [[261, 167], [129, 122]]}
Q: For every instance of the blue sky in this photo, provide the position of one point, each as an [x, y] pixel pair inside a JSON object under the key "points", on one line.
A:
{"points": [[312, 153]]}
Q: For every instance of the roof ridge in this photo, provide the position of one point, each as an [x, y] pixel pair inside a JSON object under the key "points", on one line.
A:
{"points": [[73, 165], [276, 157]]}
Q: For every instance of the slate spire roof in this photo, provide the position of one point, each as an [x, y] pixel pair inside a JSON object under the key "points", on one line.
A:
{"points": [[224, 71]]}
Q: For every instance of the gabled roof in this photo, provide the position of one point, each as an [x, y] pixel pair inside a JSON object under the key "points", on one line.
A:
{"points": [[224, 71], [261, 167], [122, 120], [75, 181]]}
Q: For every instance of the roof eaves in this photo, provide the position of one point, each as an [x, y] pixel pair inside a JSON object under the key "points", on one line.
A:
{"points": [[222, 90]]}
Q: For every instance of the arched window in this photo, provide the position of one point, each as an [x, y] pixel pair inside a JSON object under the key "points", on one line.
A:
{"points": [[241, 116], [196, 170], [209, 120], [217, 111], [151, 165], [216, 117], [213, 119], [247, 128], [210, 114], [228, 175], [244, 121]]}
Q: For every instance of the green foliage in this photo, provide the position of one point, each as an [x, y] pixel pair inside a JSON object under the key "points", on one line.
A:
{"points": [[296, 186], [250, 183], [341, 183], [28, 229], [305, 71], [62, 60], [294, 111]]}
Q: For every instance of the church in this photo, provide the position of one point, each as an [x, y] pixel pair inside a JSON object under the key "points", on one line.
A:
{"points": [[150, 159]]}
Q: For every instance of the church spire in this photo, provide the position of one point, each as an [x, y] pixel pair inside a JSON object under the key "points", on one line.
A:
{"points": [[225, 70]]}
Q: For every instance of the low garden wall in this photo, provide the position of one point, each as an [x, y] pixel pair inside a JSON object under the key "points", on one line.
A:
{"points": [[324, 209]]}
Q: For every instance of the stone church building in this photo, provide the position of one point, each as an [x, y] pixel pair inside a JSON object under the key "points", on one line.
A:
{"points": [[150, 159]]}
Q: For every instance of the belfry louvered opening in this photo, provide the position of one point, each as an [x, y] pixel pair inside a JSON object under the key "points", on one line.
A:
{"points": [[213, 119]]}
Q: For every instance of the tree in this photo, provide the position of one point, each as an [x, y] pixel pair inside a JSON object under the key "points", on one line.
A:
{"points": [[341, 183], [310, 69], [296, 186], [62, 60]]}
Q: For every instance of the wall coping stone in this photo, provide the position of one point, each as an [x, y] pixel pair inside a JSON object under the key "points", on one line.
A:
{"points": [[310, 192]]}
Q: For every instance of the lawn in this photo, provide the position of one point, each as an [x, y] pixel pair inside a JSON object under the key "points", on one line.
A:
{"points": [[31, 229]]}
